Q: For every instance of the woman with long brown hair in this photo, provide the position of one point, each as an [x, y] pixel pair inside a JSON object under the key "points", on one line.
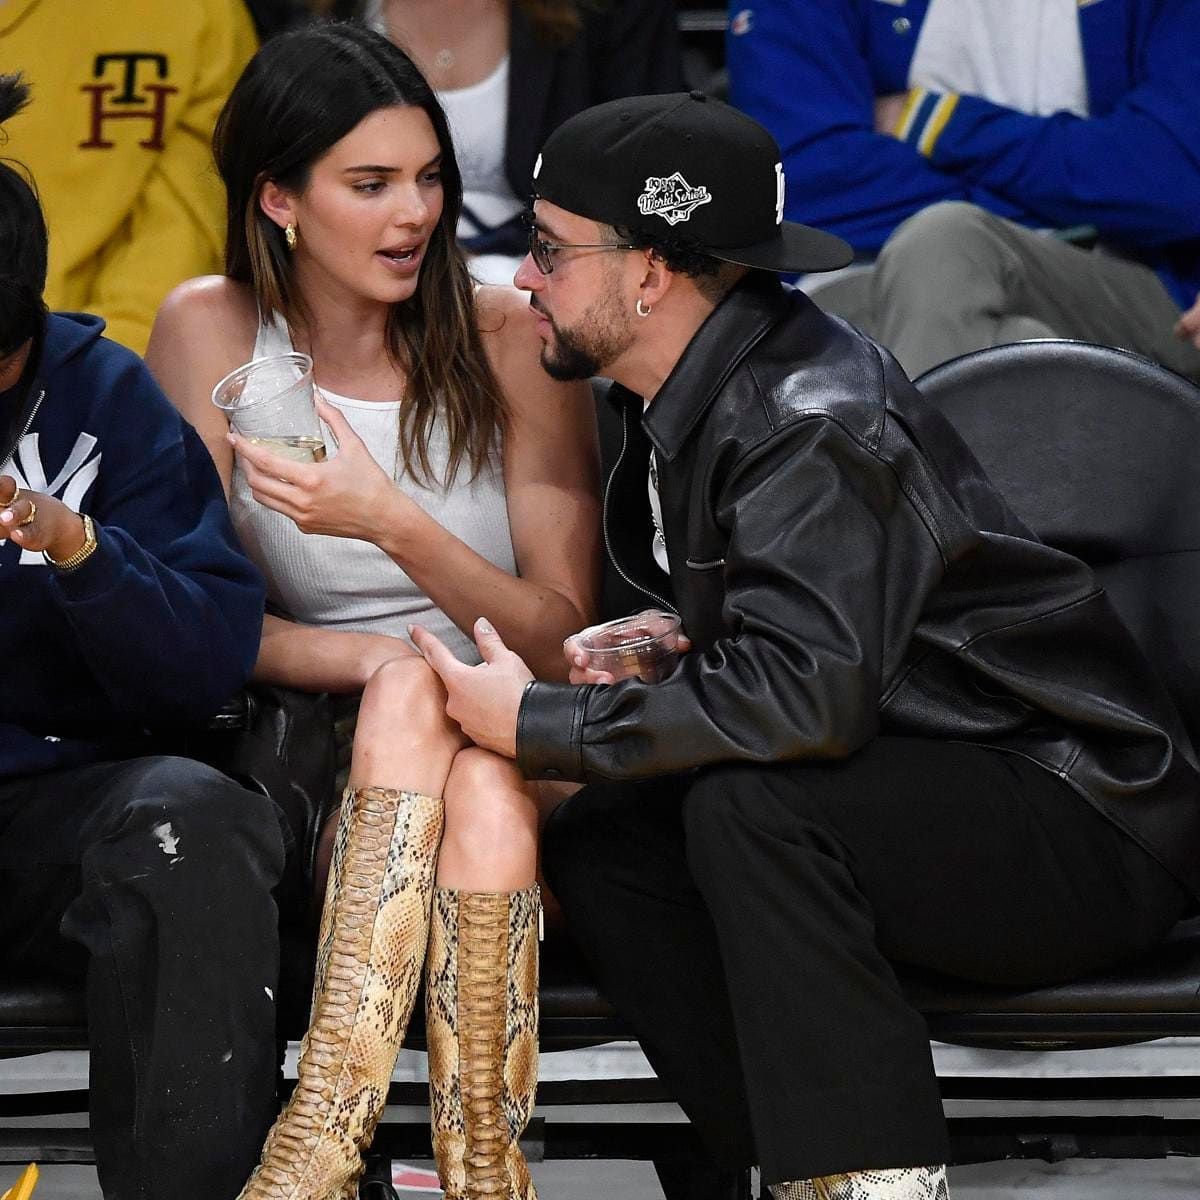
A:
{"points": [[464, 486]]}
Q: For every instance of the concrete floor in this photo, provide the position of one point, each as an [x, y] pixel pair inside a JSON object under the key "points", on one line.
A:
{"points": [[620, 1180]]}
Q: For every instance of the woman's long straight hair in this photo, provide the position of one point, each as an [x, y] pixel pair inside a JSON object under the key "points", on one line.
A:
{"points": [[301, 93]]}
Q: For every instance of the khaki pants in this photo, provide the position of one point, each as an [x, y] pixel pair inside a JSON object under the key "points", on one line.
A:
{"points": [[955, 278]]}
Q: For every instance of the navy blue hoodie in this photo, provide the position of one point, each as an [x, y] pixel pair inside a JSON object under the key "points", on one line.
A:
{"points": [[162, 623]]}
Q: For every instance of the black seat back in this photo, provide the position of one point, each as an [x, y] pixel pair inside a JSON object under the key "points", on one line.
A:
{"points": [[1096, 450]]}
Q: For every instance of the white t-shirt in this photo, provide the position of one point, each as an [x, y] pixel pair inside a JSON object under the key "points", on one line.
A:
{"points": [[1024, 54], [658, 540], [478, 117]]}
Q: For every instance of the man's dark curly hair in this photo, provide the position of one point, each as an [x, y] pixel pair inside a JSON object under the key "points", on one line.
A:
{"points": [[681, 254]]}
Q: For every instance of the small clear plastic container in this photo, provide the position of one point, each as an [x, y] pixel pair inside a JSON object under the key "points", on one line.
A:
{"points": [[645, 645]]}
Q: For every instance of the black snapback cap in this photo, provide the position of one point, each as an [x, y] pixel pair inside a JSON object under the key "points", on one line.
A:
{"points": [[687, 163]]}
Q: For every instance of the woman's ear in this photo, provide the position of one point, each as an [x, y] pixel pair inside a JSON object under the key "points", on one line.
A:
{"points": [[276, 203]]}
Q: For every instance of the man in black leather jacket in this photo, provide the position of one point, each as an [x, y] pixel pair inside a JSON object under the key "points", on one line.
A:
{"points": [[906, 731]]}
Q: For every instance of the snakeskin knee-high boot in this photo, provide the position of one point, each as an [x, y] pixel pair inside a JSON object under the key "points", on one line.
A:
{"points": [[902, 1183], [481, 1017], [371, 948]]}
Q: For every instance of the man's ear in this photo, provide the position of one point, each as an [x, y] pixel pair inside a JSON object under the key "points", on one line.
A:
{"points": [[656, 280], [276, 203]]}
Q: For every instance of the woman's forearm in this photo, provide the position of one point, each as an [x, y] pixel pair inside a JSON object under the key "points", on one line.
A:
{"points": [[312, 659], [533, 618]]}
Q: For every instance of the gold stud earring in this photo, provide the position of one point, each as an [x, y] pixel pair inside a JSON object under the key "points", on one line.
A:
{"points": [[289, 235]]}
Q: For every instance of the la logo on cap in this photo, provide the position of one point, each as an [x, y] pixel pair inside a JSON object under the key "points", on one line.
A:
{"points": [[672, 198]]}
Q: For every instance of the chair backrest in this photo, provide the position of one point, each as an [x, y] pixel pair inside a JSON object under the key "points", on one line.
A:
{"points": [[1096, 450]]}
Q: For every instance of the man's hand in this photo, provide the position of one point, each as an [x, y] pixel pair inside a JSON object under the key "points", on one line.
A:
{"points": [[38, 522], [484, 700], [888, 110], [1187, 328], [577, 656], [577, 661]]}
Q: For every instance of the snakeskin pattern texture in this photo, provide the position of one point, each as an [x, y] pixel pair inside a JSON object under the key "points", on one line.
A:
{"points": [[481, 1015], [370, 952], [902, 1183]]}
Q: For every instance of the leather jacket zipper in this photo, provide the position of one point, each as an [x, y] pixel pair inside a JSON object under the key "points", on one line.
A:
{"points": [[608, 546], [33, 412]]}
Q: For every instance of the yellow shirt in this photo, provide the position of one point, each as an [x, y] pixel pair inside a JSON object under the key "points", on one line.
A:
{"points": [[117, 138]]}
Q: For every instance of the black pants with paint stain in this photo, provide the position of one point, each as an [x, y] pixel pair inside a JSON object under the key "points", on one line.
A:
{"points": [[746, 921], [151, 879]]}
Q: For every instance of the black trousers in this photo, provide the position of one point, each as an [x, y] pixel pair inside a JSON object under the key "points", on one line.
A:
{"points": [[152, 879], [746, 920]]}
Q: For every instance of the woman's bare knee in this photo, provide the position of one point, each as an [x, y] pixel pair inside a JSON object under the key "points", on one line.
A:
{"points": [[490, 838], [404, 738]]}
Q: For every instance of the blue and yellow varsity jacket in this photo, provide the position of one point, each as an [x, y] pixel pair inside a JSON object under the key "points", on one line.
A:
{"points": [[810, 71]]}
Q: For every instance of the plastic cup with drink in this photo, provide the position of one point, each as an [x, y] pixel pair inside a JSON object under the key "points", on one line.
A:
{"points": [[645, 645], [271, 402]]}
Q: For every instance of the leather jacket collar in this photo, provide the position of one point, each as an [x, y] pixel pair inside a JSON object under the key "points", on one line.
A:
{"points": [[731, 331]]}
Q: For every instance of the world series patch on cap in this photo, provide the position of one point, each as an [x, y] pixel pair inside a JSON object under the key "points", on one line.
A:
{"points": [[688, 164]]}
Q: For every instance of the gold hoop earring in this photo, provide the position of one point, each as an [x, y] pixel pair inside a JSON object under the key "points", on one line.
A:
{"points": [[642, 309], [289, 235]]}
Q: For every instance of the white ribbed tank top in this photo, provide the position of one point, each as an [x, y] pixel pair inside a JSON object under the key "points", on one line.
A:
{"points": [[344, 583]]}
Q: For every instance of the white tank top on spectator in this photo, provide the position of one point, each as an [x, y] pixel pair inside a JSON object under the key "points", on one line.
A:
{"points": [[347, 584], [1024, 54]]}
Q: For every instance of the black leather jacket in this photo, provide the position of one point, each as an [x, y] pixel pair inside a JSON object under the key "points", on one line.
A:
{"points": [[845, 569]]}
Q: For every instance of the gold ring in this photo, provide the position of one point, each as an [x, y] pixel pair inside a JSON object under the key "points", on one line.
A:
{"points": [[32, 515], [15, 497]]}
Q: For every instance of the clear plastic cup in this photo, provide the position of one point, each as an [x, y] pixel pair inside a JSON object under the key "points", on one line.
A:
{"points": [[271, 402], [645, 645]]}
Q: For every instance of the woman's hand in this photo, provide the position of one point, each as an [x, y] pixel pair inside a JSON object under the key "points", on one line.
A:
{"points": [[349, 496], [38, 522]]}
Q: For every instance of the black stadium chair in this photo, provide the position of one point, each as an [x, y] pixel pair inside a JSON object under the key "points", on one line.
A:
{"points": [[1095, 450]]}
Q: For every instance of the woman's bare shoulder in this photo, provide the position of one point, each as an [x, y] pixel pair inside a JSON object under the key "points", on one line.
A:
{"points": [[514, 348], [507, 328], [204, 328], [213, 304], [503, 312]]}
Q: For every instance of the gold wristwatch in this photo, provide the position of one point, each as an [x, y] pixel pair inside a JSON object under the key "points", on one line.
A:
{"points": [[82, 554]]}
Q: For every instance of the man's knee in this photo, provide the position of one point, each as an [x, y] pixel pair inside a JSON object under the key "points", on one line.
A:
{"points": [[176, 807], [941, 240], [948, 223]]}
